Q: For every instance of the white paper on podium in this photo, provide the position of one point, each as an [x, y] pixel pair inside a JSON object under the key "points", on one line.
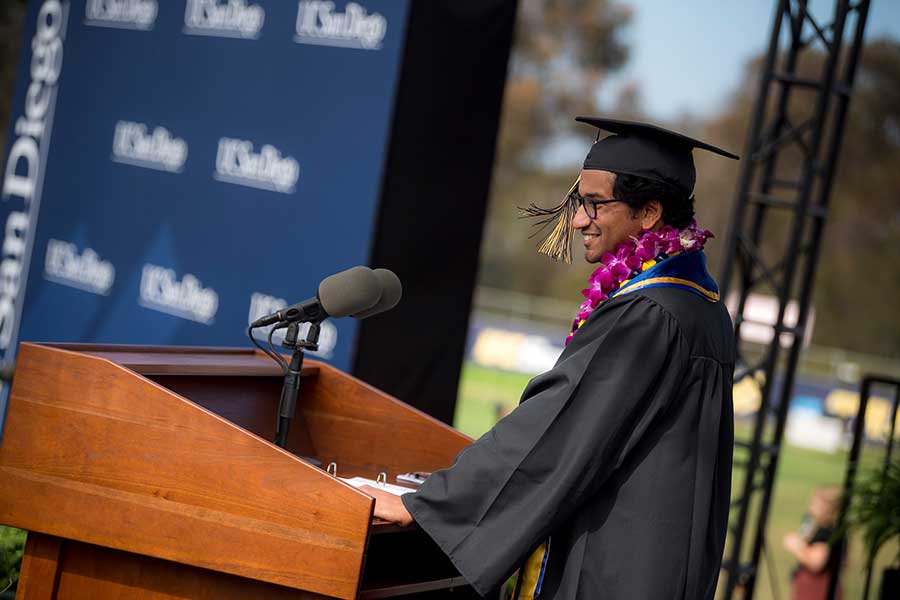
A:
{"points": [[397, 490]]}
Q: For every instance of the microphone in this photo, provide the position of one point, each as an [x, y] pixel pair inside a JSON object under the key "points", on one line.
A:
{"points": [[391, 292], [360, 292], [349, 292]]}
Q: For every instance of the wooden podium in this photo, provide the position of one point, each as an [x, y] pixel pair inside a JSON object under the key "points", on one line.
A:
{"points": [[147, 472]]}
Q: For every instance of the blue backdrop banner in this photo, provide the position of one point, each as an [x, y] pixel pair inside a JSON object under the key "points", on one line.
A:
{"points": [[176, 169]]}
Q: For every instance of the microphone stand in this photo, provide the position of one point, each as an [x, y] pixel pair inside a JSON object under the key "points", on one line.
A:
{"points": [[287, 407]]}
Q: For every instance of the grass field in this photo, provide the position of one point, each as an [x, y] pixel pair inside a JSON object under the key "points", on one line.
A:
{"points": [[485, 394]]}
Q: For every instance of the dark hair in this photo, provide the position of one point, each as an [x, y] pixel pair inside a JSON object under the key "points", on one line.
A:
{"points": [[637, 192]]}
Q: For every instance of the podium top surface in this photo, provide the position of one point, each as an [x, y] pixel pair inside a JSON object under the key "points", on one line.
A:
{"points": [[184, 360]]}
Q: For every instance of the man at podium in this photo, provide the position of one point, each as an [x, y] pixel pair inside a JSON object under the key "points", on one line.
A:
{"points": [[612, 477]]}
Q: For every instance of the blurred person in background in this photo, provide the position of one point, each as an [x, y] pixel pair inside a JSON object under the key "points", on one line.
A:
{"points": [[813, 546]]}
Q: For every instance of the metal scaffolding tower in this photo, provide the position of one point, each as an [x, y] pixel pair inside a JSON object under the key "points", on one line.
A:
{"points": [[774, 237]]}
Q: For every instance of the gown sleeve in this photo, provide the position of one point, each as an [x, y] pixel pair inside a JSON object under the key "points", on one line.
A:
{"points": [[575, 425]]}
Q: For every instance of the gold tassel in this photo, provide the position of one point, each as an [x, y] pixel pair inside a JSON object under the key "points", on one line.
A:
{"points": [[558, 243]]}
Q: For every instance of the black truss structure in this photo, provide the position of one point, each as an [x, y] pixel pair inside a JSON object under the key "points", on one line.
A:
{"points": [[782, 198]]}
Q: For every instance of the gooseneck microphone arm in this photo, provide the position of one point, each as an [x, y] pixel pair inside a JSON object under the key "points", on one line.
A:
{"points": [[302, 312]]}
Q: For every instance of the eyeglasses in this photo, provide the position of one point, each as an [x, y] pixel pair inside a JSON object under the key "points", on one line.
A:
{"points": [[589, 204]]}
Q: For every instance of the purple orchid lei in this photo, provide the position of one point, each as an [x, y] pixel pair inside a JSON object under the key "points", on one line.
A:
{"points": [[631, 258]]}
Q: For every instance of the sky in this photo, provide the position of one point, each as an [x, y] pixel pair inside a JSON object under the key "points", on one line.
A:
{"points": [[688, 55]]}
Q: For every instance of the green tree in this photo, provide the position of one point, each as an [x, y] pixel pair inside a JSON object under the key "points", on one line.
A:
{"points": [[563, 52], [857, 279], [12, 548]]}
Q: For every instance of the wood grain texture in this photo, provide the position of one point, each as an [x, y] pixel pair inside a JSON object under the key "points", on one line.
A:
{"points": [[153, 464], [99, 454], [39, 575], [251, 402], [366, 431], [92, 572], [183, 360]]}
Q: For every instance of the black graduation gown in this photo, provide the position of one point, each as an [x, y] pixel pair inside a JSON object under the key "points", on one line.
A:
{"points": [[622, 453]]}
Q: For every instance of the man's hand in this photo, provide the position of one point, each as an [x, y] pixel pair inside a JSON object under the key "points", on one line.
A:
{"points": [[812, 556], [794, 543], [388, 506]]}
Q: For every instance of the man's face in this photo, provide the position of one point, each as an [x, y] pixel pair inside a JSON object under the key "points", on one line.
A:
{"points": [[820, 510], [614, 222]]}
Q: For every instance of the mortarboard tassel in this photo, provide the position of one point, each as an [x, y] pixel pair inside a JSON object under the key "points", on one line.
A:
{"points": [[558, 243]]}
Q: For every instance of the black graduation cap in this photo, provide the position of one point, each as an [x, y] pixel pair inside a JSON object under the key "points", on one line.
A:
{"points": [[634, 148], [646, 151]]}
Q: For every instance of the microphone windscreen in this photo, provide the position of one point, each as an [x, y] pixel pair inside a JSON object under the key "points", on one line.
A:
{"points": [[391, 291], [349, 292]]}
